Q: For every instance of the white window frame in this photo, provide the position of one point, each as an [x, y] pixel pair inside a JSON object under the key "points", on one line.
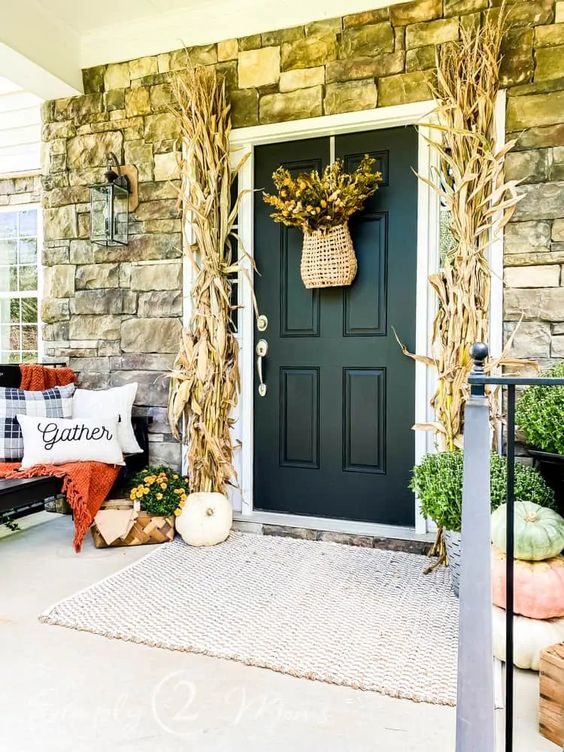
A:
{"points": [[11, 294]]}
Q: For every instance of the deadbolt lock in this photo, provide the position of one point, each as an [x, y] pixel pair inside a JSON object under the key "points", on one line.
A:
{"points": [[262, 323]]}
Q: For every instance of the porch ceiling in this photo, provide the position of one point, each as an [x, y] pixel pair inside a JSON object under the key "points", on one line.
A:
{"points": [[63, 36]]}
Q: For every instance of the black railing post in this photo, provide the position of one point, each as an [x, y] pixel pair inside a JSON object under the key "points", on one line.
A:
{"points": [[475, 713], [510, 552]]}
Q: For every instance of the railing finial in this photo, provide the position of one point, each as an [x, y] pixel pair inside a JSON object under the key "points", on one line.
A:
{"points": [[478, 353]]}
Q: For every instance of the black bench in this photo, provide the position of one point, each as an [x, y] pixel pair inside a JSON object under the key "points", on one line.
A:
{"points": [[22, 496]]}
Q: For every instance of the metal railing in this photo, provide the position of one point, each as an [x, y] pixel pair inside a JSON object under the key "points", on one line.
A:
{"points": [[475, 716]]}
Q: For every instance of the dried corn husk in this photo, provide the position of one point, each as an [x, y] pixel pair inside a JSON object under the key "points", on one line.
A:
{"points": [[471, 185], [204, 386]]}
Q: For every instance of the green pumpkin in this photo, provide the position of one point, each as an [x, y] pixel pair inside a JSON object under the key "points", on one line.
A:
{"points": [[539, 531]]}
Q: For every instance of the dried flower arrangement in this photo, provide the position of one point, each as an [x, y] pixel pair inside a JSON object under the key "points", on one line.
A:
{"points": [[321, 206], [315, 202]]}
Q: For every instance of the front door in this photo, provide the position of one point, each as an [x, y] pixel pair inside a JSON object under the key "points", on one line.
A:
{"points": [[333, 432]]}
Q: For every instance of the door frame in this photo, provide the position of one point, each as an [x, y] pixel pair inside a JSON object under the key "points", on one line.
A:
{"points": [[243, 141]]}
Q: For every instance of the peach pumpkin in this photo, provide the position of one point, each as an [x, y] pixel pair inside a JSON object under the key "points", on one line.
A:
{"points": [[538, 586]]}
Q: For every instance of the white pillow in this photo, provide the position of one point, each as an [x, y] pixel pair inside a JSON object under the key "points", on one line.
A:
{"points": [[115, 403], [54, 441]]}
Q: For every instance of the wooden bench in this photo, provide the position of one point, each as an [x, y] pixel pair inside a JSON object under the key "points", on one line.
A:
{"points": [[19, 497]]}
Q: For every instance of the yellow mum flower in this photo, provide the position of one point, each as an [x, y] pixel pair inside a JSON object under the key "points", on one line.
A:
{"points": [[159, 496], [132, 496], [163, 486]]}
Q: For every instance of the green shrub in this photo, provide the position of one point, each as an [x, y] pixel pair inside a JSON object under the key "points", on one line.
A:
{"points": [[540, 414], [437, 481]]}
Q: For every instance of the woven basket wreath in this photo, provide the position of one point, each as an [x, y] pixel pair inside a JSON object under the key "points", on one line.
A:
{"points": [[320, 206], [328, 259]]}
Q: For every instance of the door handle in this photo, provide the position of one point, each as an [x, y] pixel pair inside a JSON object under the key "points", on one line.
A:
{"points": [[261, 351]]}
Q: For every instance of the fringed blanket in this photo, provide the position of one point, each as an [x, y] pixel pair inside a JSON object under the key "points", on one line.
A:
{"points": [[37, 378], [85, 484]]}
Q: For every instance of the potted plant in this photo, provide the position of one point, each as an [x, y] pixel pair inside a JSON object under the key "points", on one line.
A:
{"points": [[155, 495], [437, 481], [321, 206], [539, 415]]}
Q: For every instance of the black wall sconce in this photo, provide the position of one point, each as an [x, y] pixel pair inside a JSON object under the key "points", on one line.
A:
{"points": [[110, 203]]}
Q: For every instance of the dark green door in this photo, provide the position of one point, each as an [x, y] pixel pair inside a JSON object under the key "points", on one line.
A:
{"points": [[332, 435]]}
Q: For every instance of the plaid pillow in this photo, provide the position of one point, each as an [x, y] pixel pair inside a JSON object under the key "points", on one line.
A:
{"points": [[52, 403]]}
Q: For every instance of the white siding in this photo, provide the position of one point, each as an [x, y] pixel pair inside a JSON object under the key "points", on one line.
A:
{"points": [[20, 129]]}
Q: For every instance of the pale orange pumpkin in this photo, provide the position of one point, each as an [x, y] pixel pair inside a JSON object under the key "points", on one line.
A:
{"points": [[538, 586]]}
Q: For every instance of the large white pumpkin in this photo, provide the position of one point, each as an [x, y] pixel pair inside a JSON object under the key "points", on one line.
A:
{"points": [[205, 519], [530, 636]]}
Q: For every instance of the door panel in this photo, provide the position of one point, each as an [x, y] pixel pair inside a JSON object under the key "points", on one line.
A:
{"points": [[364, 407], [299, 308], [365, 300], [299, 417], [333, 434]]}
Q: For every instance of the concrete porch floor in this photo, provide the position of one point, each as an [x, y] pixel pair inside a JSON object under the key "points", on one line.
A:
{"points": [[65, 690]]}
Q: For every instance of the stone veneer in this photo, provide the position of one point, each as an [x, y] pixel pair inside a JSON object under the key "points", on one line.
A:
{"points": [[15, 191], [115, 312]]}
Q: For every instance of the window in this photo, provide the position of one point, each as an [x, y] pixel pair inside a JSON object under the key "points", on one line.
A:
{"points": [[19, 252]]}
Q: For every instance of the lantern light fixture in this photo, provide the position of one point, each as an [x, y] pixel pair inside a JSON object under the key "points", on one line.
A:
{"points": [[109, 206]]}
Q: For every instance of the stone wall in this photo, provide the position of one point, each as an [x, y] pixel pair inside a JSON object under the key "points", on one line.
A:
{"points": [[15, 191], [114, 312], [534, 240]]}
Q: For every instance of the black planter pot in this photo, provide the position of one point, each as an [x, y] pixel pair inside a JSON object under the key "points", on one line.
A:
{"points": [[551, 467]]}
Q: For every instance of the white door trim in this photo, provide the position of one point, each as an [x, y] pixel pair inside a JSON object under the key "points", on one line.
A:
{"points": [[243, 141], [495, 254]]}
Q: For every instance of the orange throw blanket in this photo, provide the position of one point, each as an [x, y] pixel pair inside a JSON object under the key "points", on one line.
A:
{"points": [[85, 484], [36, 378]]}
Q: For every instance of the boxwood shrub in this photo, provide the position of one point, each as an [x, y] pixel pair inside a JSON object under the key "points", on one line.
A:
{"points": [[539, 414], [437, 481]]}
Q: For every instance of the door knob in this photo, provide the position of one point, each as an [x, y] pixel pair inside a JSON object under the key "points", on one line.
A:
{"points": [[261, 351]]}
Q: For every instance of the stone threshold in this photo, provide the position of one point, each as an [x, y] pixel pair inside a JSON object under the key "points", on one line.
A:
{"points": [[421, 546]]}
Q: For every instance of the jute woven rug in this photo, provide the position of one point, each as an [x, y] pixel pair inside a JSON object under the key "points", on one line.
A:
{"points": [[359, 617]]}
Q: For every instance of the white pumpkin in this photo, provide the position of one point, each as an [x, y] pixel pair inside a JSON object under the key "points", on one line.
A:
{"points": [[205, 519], [530, 636]]}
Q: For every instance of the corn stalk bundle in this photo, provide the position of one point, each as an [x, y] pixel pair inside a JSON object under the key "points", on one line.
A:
{"points": [[480, 202], [204, 384]]}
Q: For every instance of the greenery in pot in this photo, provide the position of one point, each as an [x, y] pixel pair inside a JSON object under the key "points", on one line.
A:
{"points": [[437, 481], [539, 414], [160, 490], [315, 202]]}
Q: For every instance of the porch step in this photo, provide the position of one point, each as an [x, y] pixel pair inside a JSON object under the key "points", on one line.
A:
{"points": [[413, 545]]}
